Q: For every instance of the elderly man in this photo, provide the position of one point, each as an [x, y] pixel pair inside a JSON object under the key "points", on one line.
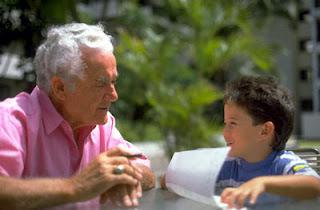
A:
{"points": [[59, 144]]}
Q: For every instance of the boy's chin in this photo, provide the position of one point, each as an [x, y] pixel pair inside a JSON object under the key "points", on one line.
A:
{"points": [[233, 154]]}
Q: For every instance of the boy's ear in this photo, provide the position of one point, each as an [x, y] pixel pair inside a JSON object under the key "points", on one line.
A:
{"points": [[267, 129], [58, 88]]}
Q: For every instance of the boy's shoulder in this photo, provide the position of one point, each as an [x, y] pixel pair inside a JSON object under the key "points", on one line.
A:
{"points": [[285, 155], [292, 163]]}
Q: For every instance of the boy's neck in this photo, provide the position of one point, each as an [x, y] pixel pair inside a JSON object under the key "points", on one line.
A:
{"points": [[258, 155]]}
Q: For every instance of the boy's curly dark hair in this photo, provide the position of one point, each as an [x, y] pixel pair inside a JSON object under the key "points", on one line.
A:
{"points": [[265, 100]]}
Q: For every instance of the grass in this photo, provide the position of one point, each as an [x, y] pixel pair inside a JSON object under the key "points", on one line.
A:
{"points": [[309, 143]]}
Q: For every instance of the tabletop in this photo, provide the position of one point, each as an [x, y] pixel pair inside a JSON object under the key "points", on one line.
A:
{"points": [[158, 199]]}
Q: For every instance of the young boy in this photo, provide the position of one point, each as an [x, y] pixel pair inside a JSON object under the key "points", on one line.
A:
{"points": [[258, 116]]}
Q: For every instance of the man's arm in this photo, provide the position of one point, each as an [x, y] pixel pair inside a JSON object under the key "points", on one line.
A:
{"points": [[294, 186], [96, 178], [34, 193]]}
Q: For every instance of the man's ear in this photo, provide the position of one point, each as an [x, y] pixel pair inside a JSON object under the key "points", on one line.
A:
{"points": [[267, 129], [58, 88]]}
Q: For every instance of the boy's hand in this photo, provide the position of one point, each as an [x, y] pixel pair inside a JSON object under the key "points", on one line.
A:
{"points": [[235, 197]]}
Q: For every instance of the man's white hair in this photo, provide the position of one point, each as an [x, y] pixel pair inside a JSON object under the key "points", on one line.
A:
{"points": [[61, 54]]}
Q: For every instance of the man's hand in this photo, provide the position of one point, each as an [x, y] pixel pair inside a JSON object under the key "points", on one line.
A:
{"points": [[127, 195], [123, 195], [98, 176], [235, 197], [148, 180]]}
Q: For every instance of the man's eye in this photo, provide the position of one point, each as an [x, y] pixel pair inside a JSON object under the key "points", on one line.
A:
{"points": [[100, 86]]}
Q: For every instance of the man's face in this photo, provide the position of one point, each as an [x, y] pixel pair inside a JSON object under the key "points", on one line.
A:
{"points": [[240, 133], [91, 99]]}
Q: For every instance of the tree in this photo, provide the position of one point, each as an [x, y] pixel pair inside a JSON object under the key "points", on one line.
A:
{"points": [[174, 57]]}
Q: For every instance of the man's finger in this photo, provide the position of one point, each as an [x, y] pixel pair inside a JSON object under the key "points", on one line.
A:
{"points": [[139, 190], [124, 179], [126, 169], [103, 197], [133, 195], [124, 198], [119, 151]]}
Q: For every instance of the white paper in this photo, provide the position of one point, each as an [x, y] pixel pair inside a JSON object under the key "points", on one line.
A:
{"points": [[193, 174]]}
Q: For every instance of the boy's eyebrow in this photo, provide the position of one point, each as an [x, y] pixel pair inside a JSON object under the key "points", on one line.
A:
{"points": [[232, 118]]}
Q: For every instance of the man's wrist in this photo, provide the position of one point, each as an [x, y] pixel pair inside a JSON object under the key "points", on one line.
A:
{"points": [[71, 189]]}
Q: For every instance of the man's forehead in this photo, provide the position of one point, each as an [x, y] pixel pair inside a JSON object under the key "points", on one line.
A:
{"points": [[96, 57]]}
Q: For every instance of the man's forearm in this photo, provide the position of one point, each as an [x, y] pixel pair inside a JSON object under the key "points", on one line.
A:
{"points": [[34, 193]]}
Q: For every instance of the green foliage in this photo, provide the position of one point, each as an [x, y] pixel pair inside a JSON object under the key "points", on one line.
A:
{"points": [[169, 56], [174, 57]]}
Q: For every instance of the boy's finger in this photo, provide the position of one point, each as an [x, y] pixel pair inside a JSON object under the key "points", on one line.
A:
{"points": [[253, 197]]}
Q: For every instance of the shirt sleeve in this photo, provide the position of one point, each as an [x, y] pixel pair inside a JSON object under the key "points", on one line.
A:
{"points": [[117, 140], [11, 152], [297, 166]]}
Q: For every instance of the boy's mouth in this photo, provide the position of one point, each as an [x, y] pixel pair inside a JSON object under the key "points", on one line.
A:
{"points": [[229, 144]]}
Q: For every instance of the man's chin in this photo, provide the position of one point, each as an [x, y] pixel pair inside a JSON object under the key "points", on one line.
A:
{"points": [[101, 121]]}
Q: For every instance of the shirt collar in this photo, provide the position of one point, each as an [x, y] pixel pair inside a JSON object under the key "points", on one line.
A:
{"points": [[255, 166], [50, 116]]}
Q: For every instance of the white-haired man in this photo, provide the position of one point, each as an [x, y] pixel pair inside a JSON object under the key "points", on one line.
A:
{"points": [[59, 144]]}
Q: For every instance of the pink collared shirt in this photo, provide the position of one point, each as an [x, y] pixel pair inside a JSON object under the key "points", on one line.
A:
{"points": [[35, 141]]}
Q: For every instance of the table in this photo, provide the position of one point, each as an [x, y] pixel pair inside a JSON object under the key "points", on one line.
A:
{"points": [[158, 199]]}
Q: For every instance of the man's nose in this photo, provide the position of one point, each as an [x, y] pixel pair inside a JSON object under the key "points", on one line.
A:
{"points": [[113, 93]]}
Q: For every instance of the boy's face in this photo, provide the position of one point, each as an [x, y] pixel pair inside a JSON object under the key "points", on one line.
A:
{"points": [[239, 132]]}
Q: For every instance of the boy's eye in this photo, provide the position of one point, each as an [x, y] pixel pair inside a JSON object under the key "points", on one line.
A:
{"points": [[230, 124]]}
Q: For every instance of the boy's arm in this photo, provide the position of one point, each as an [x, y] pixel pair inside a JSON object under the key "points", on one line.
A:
{"points": [[300, 187], [294, 186]]}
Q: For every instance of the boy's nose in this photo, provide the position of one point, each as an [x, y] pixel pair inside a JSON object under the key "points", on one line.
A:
{"points": [[225, 133]]}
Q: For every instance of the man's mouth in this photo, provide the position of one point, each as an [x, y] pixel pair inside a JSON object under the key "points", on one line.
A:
{"points": [[104, 108]]}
